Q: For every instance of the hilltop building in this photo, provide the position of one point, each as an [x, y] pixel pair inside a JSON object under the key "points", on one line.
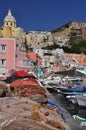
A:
{"points": [[38, 39], [63, 36]]}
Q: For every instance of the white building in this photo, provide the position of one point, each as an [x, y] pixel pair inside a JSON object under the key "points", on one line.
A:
{"points": [[61, 40]]}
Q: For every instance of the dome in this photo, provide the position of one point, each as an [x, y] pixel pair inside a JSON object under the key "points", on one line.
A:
{"points": [[9, 17]]}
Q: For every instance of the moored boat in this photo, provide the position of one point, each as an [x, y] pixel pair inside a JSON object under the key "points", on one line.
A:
{"points": [[72, 91]]}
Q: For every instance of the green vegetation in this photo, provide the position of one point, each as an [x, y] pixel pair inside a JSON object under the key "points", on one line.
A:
{"points": [[66, 25], [52, 47], [77, 48]]}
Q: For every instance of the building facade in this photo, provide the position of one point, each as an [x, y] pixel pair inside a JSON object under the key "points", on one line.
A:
{"points": [[10, 29], [39, 39], [80, 59], [12, 57]]}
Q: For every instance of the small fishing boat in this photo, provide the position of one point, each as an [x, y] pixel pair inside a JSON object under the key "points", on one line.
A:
{"points": [[72, 91]]}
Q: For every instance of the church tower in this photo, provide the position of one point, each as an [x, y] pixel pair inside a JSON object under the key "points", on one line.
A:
{"points": [[9, 29], [9, 20]]}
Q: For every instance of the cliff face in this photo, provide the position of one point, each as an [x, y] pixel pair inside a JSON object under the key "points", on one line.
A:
{"points": [[76, 31]]}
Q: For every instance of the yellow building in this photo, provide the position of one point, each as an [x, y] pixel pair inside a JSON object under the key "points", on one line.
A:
{"points": [[9, 29]]}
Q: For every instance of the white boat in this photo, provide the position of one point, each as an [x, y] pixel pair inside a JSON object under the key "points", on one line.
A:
{"points": [[51, 79]]}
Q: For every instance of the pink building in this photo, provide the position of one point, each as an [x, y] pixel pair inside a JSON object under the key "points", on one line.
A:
{"points": [[11, 56], [79, 58]]}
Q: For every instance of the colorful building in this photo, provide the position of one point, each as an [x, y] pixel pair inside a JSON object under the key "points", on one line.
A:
{"points": [[35, 58], [12, 57], [80, 59]]}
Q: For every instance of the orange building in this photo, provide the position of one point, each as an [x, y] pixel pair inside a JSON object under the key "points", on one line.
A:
{"points": [[35, 58]]}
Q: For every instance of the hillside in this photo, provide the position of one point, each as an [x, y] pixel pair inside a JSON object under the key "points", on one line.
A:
{"points": [[78, 47], [75, 31]]}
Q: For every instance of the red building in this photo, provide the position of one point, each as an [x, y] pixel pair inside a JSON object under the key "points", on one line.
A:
{"points": [[34, 58]]}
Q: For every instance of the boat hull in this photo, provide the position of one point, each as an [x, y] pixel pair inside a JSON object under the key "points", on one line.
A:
{"points": [[81, 99]]}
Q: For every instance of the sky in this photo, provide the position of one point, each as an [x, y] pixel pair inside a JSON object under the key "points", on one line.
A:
{"points": [[46, 15]]}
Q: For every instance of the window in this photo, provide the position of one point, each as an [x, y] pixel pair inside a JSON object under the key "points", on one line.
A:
{"points": [[3, 48], [6, 23], [17, 47], [3, 62], [16, 56], [26, 63], [11, 24]]}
